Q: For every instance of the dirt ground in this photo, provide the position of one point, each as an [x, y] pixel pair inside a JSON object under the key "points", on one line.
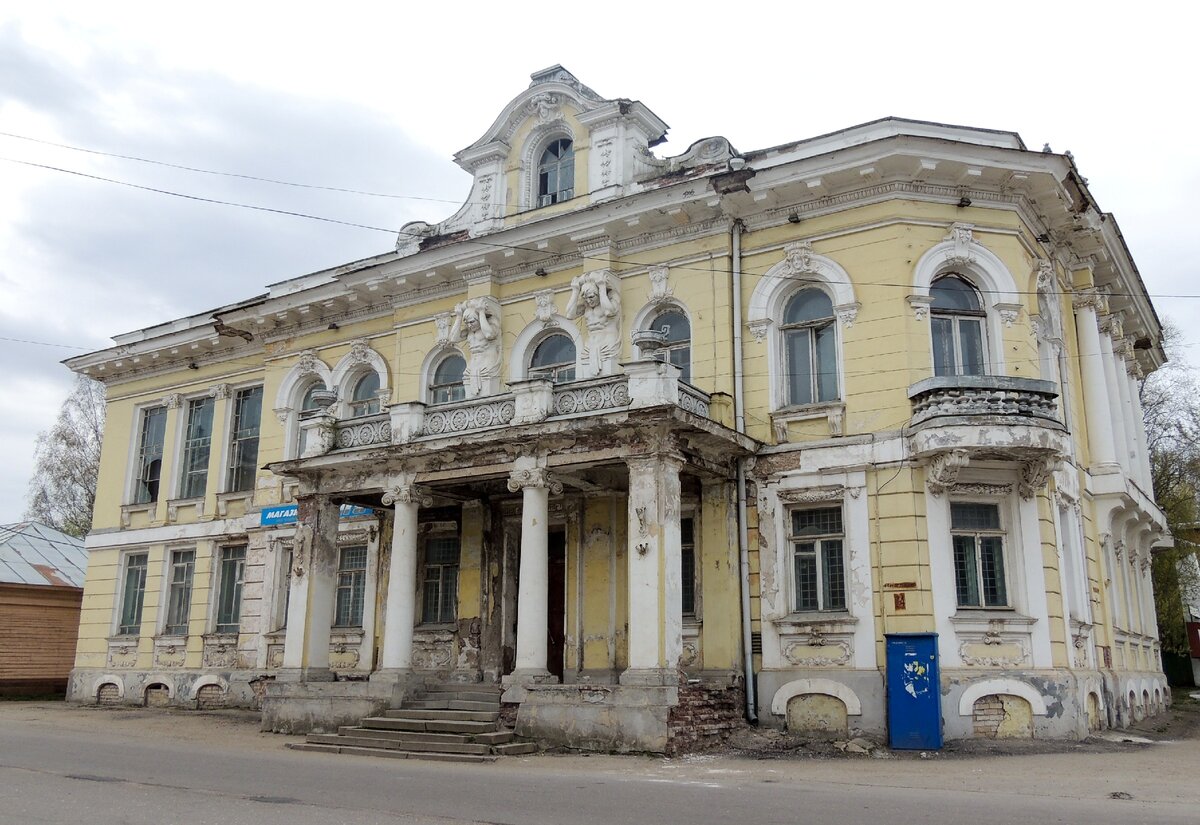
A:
{"points": [[239, 729]]}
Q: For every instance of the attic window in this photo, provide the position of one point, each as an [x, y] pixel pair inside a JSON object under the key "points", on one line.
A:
{"points": [[556, 173]]}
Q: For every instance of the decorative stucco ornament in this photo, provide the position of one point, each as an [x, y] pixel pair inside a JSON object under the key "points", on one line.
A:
{"points": [[477, 321], [596, 297]]}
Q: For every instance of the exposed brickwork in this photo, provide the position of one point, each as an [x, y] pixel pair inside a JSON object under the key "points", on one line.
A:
{"points": [[157, 696], [259, 688], [211, 696], [988, 713], [704, 717], [109, 694]]}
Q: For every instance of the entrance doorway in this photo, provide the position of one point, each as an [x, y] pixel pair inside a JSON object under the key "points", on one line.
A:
{"points": [[556, 607]]}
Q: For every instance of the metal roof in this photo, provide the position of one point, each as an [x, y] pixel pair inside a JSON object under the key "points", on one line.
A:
{"points": [[32, 553]]}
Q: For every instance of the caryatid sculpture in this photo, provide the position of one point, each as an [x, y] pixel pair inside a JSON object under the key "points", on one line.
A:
{"points": [[477, 321], [596, 297]]}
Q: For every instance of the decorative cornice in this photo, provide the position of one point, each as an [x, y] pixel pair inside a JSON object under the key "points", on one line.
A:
{"points": [[979, 489], [942, 471], [810, 495]]}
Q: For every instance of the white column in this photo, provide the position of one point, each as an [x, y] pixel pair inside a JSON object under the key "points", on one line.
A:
{"points": [[310, 604], [1116, 404], [655, 587], [1144, 473], [400, 611], [1095, 391], [533, 588]]}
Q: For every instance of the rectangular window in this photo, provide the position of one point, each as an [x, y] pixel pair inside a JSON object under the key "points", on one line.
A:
{"points": [[284, 592], [133, 591], [243, 444], [179, 600], [351, 585], [229, 596], [150, 453], [687, 563], [439, 589], [978, 541], [817, 540], [197, 442]]}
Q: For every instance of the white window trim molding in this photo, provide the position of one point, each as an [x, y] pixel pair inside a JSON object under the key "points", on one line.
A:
{"points": [[536, 332], [1010, 687], [658, 306], [1026, 617], [361, 358], [114, 630], [433, 359], [960, 253], [800, 269], [536, 141], [230, 401], [827, 687], [775, 499], [304, 373]]}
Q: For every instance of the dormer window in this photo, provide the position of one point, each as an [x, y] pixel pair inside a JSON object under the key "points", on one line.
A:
{"points": [[556, 173]]}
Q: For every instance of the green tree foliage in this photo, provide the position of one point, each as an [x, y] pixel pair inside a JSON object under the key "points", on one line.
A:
{"points": [[62, 491], [1171, 402]]}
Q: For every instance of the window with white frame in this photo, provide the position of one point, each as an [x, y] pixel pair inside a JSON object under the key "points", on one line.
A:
{"points": [[283, 588], [818, 559], [197, 443], [554, 358], [351, 586], [957, 320], [133, 592], [243, 439], [556, 173], [446, 386], [151, 438], [364, 399], [810, 348], [977, 535], [687, 564], [179, 597], [439, 584], [677, 347], [231, 575]]}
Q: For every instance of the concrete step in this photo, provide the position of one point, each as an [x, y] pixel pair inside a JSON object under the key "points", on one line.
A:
{"points": [[484, 707], [406, 735], [350, 741], [443, 715], [429, 725], [434, 757], [516, 748], [443, 747], [491, 699], [500, 737], [429, 704]]}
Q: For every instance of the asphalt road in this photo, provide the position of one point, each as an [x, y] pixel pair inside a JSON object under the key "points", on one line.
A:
{"points": [[61, 767]]}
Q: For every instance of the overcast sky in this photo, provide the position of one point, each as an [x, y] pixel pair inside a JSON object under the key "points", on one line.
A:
{"points": [[354, 96]]}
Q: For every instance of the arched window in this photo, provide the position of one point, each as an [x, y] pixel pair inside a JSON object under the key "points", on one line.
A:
{"points": [[678, 348], [555, 358], [556, 173], [365, 398], [447, 384], [958, 318], [810, 348], [307, 403]]}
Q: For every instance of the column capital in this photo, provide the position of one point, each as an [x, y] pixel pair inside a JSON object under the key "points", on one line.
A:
{"points": [[537, 477], [1090, 298], [407, 493]]}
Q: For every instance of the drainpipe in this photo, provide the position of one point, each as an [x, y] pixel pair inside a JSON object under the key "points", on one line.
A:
{"points": [[739, 414]]}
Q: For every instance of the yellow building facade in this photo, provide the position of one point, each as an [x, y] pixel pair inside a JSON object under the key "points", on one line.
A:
{"points": [[629, 435]]}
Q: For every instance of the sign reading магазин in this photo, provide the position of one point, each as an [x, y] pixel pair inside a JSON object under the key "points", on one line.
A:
{"points": [[287, 513]]}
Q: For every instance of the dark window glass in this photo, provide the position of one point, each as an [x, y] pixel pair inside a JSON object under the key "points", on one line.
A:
{"points": [[687, 563], [439, 588], [365, 399], [978, 542], [678, 349], [196, 446], [229, 597], [447, 383], [150, 453], [179, 600], [957, 327], [810, 348], [351, 586], [556, 173], [134, 590], [819, 565], [243, 446], [555, 358]]}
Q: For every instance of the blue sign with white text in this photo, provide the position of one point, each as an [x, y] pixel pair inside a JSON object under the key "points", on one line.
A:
{"points": [[287, 513]]}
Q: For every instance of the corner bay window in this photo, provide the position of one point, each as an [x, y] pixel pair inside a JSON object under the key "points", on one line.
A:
{"points": [[243, 442], [133, 590], [351, 586], [810, 348], [229, 595], [556, 173], [150, 454], [978, 539], [439, 588], [957, 318], [817, 556], [179, 601], [196, 444]]}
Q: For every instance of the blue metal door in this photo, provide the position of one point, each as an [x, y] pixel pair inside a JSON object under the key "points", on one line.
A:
{"points": [[914, 692]]}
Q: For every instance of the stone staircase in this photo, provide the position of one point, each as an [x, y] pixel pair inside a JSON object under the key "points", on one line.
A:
{"points": [[448, 722]]}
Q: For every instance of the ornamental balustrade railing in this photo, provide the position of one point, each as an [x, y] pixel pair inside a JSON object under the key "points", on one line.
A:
{"points": [[980, 397], [366, 431]]}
